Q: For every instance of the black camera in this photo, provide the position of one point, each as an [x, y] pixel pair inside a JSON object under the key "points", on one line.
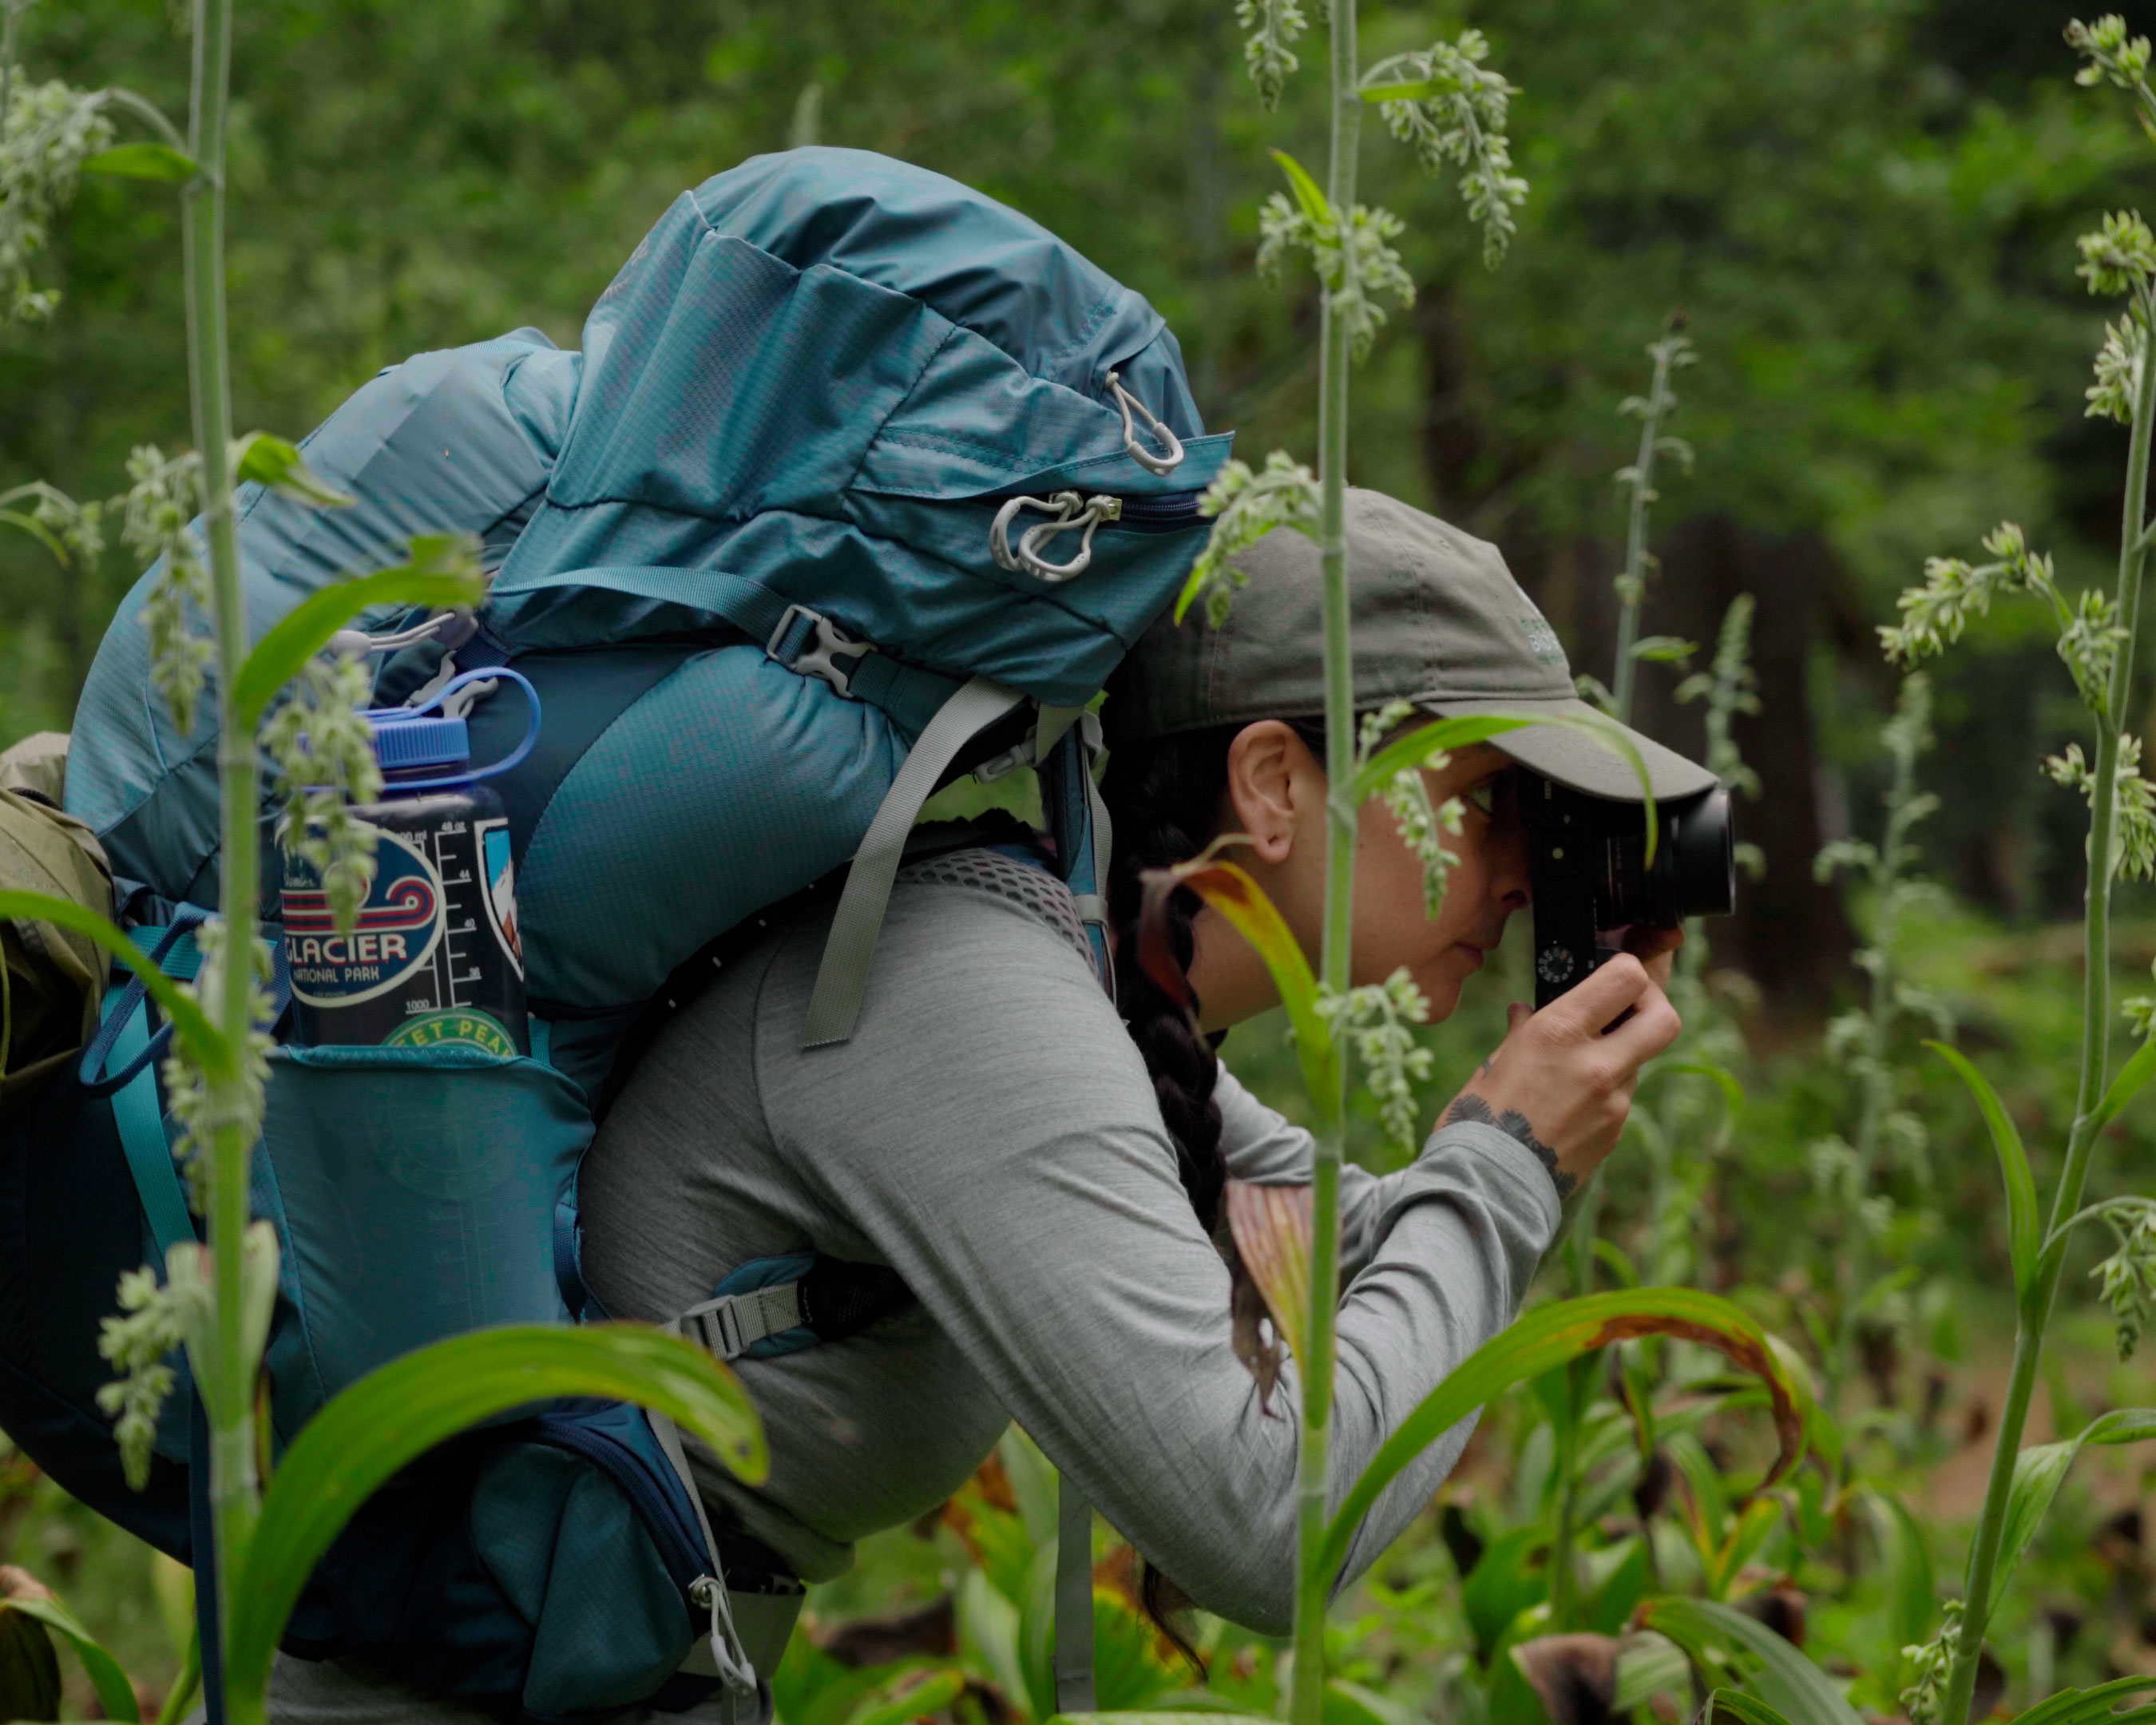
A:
{"points": [[1590, 875]]}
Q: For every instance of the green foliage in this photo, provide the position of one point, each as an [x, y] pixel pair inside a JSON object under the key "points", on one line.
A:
{"points": [[1245, 506], [1931, 1663], [1451, 110], [47, 133], [1354, 267], [398, 1412], [2134, 838], [1373, 1022]]}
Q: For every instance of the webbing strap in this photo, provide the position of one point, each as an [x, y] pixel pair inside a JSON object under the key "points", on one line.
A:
{"points": [[125, 1038], [728, 1658], [1074, 1600], [1079, 820], [141, 1127], [728, 1326], [844, 976]]}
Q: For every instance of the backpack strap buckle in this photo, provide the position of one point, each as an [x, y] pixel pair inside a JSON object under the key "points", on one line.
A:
{"points": [[809, 642], [729, 1326]]}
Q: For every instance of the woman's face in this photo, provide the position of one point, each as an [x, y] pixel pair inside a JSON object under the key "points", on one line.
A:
{"points": [[1276, 795]]}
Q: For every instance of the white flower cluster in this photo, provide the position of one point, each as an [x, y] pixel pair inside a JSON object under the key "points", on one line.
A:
{"points": [[1245, 506], [46, 132], [2134, 831], [1374, 1021], [1457, 117], [323, 751], [1283, 227], [165, 495], [2126, 1279], [1273, 25]]}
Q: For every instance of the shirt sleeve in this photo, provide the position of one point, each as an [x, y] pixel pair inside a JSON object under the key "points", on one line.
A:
{"points": [[991, 1128], [1262, 1146]]}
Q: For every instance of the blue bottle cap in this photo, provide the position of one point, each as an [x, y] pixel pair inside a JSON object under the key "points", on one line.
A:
{"points": [[405, 744]]}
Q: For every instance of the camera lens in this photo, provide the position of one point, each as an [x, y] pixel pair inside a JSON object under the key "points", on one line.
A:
{"points": [[1701, 844]]}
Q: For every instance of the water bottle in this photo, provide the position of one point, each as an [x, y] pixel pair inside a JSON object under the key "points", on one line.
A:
{"points": [[434, 959]]}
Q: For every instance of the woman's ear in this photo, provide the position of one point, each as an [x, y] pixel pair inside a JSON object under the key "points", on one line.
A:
{"points": [[1270, 787]]}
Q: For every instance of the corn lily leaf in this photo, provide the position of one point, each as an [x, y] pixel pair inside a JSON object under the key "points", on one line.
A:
{"points": [[263, 458], [443, 572], [26, 1666], [1547, 1338], [1271, 1227], [1745, 1709], [1788, 1684], [38, 530], [143, 161], [917, 1697], [2023, 1239], [1160, 1715], [2132, 1077], [194, 1024], [2092, 1706], [2040, 1470], [393, 1416], [1228, 890], [1754, 1524], [1307, 192]]}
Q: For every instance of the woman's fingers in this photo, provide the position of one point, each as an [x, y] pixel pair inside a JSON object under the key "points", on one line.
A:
{"points": [[1652, 1027], [1656, 949], [1587, 1007]]}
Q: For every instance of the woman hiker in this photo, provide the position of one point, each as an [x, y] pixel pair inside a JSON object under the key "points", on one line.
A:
{"points": [[1043, 1168]]}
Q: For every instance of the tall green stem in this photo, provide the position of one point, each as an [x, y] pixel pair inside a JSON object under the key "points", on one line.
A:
{"points": [[1877, 1078], [1313, 1587], [234, 1489], [2036, 1302], [1632, 584]]}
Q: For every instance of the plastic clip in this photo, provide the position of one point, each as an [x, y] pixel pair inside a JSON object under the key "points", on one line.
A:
{"points": [[1159, 465], [808, 642], [727, 1653], [1070, 511]]}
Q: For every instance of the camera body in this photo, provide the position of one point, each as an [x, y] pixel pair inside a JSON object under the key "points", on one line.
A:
{"points": [[1589, 875]]}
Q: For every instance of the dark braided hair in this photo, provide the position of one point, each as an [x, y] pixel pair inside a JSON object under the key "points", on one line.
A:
{"points": [[1165, 797]]}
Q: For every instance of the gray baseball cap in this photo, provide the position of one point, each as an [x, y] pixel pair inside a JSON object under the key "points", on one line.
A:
{"points": [[1436, 618]]}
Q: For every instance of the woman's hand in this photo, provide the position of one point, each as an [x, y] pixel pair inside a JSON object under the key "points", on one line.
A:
{"points": [[1561, 1085]]}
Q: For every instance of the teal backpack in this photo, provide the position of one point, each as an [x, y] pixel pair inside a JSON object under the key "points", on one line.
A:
{"points": [[860, 482]]}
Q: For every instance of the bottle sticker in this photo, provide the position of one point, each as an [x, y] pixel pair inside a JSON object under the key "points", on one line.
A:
{"points": [[457, 1029], [501, 887], [398, 927]]}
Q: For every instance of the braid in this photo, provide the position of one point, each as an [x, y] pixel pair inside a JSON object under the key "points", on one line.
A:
{"points": [[1163, 796]]}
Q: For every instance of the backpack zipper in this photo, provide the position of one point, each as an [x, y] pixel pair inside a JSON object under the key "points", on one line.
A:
{"points": [[1163, 513]]}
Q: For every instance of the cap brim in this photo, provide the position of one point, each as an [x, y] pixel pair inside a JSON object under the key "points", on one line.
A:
{"points": [[1574, 758]]}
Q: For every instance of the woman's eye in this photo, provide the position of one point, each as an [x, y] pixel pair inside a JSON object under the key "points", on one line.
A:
{"points": [[1484, 796]]}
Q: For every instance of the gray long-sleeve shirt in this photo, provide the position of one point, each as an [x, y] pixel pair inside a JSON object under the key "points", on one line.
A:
{"points": [[990, 1133]]}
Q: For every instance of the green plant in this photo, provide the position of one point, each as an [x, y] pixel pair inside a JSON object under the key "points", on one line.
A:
{"points": [[2097, 639], [1845, 1171], [217, 1299], [1672, 353]]}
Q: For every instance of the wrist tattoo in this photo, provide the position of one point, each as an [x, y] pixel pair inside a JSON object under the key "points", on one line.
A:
{"points": [[1467, 1105]]}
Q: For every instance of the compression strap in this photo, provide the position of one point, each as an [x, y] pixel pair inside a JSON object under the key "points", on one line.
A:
{"points": [[843, 979]]}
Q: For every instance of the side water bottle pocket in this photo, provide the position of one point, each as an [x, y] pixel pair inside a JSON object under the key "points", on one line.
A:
{"points": [[419, 1187]]}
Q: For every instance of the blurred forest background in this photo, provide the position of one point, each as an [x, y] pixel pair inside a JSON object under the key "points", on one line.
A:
{"points": [[1864, 209]]}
